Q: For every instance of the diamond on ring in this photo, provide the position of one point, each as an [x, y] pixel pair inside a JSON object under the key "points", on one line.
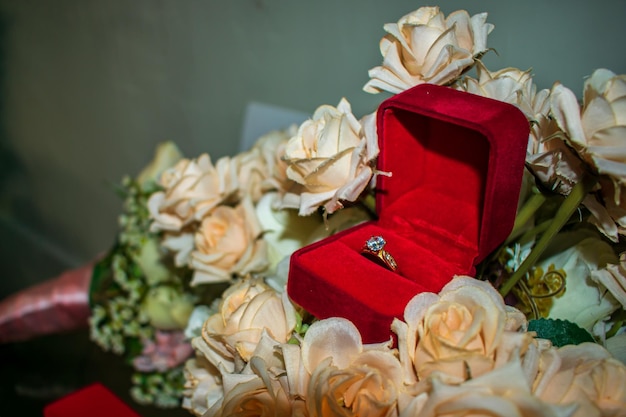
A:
{"points": [[374, 250], [376, 243]]}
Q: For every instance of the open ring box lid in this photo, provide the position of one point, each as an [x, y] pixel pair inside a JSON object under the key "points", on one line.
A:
{"points": [[456, 161]]}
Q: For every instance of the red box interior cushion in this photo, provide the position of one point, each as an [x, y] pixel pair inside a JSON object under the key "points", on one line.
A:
{"points": [[456, 161]]}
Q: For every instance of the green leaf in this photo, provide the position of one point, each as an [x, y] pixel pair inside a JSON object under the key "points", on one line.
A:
{"points": [[101, 274], [134, 347], [560, 332]]}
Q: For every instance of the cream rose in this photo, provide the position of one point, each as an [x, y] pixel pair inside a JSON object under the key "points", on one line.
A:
{"points": [[464, 332], [192, 189], [584, 375], [181, 244], [248, 309], [548, 157], [510, 85], [228, 242], [330, 158], [346, 378], [262, 386], [272, 148], [551, 161], [203, 386], [258, 393], [426, 47], [503, 392], [252, 174], [596, 131], [613, 278]]}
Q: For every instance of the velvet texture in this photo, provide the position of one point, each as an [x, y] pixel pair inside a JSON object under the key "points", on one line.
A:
{"points": [[456, 161], [94, 401]]}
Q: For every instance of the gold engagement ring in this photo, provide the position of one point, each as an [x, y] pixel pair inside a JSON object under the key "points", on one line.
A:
{"points": [[374, 250]]}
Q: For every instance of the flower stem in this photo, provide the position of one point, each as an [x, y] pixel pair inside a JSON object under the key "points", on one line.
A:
{"points": [[529, 208], [563, 214]]}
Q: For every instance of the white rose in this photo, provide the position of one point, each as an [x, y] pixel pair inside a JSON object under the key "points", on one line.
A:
{"points": [[582, 301]]}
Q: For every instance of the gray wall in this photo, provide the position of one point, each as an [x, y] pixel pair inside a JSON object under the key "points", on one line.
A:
{"points": [[89, 87]]}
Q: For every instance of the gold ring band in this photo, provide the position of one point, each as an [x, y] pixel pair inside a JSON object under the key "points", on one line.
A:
{"points": [[374, 250]]}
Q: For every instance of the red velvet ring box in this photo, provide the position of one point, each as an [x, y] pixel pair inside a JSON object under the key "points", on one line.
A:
{"points": [[456, 162]]}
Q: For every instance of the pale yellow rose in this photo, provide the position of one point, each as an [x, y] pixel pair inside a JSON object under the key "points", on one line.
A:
{"points": [[167, 308], [283, 229], [584, 375], [426, 47], [248, 309], [228, 242], [192, 189], [166, 156], [503, 392], [463, 332], [597, 131], [331, 158], [347, 379]]}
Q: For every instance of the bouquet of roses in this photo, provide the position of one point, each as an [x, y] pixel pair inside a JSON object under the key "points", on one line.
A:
{"points": [[464, 350], [201, 264]]}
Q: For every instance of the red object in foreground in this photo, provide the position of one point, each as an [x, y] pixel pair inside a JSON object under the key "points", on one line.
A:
{"points": [[456, 161], [58, 305], [92, 401]]}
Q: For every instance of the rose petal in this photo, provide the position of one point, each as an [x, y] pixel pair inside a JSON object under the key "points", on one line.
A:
{"points": [[335, 338]]}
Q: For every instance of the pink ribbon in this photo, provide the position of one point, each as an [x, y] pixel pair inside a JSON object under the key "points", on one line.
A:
{"points": [[58, 305]]}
